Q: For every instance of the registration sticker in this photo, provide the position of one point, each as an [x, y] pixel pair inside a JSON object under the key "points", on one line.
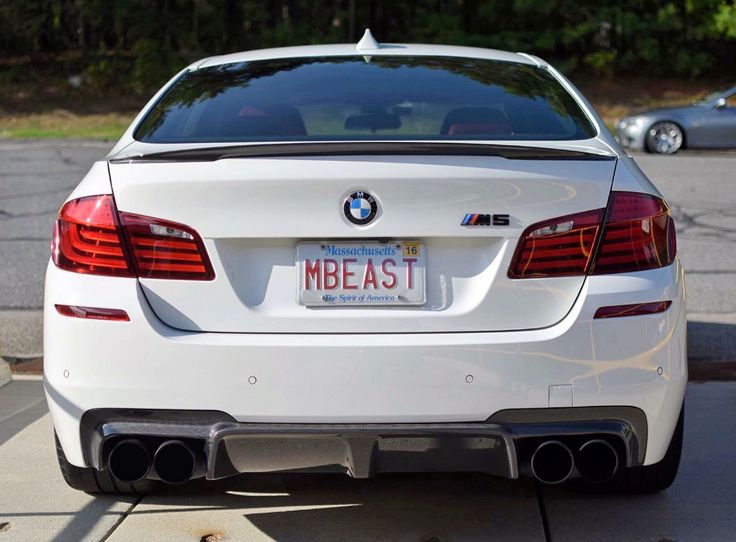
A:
{"points": [[412, 249]]}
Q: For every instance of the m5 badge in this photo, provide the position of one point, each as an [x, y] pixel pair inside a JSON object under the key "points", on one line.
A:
{"points": [[475, 219]]}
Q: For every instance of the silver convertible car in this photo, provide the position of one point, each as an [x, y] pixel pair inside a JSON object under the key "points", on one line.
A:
{"points": [[707, 124]]}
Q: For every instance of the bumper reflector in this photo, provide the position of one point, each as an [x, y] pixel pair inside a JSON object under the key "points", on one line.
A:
{"points": [[637, 309], [92, 313]]}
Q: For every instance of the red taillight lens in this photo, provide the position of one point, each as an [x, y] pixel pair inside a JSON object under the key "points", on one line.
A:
{"points": [[87, 240], [637, 309], [166, 250], [92, 237], [93, 313], [559, 247], [639, 235]]}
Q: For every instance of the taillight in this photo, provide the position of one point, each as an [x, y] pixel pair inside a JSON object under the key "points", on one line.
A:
{"points": [[90, 236], [166, 250], [559, 247], [638, 234], [87, 239]]}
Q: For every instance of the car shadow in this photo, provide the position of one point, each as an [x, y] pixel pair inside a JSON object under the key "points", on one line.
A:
{"points": [[416, 507], [21, 404]]}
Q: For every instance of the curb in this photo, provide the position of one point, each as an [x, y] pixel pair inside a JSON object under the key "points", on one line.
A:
{"points": [[4, 373], [21, 333]]}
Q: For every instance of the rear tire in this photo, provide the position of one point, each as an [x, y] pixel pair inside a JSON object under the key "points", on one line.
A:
{"points": [[91, 480], [652, 478]]}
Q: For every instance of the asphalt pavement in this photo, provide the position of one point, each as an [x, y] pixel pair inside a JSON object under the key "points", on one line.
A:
{"points": [[36, 505], [36, 177]]}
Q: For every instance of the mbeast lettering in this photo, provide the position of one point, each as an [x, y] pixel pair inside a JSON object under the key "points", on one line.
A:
{"points": [[348, 274]]}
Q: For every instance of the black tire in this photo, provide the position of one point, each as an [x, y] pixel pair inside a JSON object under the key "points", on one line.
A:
{"points": [[93, 481], [652, 478]]}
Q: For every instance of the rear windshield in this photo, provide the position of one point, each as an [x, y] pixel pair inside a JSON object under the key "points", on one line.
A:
{"points": [[355, 98]]}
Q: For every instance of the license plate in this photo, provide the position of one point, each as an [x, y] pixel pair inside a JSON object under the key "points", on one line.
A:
{"points": [[361, 273]]}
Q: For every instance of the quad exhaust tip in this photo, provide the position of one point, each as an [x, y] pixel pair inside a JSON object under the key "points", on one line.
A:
{"points": [[174, 462], [597, 461], [552, 462], [129, 461]]}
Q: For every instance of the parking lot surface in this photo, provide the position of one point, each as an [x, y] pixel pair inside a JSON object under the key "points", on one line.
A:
{"points": [[36, 505]]}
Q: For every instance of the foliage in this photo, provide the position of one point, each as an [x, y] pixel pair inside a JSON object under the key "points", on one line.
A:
{"points": [[147, 41], [153, 65], [725, 19]]}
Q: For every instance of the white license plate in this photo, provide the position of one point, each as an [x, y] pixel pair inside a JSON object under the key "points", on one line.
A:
{"points": [[361, 273]]}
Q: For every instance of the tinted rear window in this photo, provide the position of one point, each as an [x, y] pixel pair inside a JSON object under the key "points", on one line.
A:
{"points": [[349, 98]]}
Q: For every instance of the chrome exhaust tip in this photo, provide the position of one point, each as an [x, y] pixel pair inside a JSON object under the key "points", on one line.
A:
{"points": [[552, 462], [174, 462], [597, 461], [129, 461]]}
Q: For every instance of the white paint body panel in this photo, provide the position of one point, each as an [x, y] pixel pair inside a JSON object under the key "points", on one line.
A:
{"points": [[318, 366], [253, 212], [365, 378]]}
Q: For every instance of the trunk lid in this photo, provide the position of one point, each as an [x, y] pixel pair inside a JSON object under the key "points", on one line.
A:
{"points": [[254, 212]]}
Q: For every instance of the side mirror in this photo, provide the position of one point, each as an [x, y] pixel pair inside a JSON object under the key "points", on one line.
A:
{"points": [[720, 103]]}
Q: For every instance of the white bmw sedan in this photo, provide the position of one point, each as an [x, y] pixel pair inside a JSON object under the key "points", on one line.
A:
{"points": [[366, 259]]}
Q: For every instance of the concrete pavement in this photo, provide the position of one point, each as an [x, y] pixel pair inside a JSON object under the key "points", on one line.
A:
{"points": [[330, 508], [35, 504], [21, 403]]}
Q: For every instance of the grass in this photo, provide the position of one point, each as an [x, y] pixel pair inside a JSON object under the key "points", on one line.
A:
{"points": [[61, 124]]}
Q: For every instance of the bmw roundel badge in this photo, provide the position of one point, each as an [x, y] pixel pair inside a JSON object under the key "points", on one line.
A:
{"points": [[360, 208]]}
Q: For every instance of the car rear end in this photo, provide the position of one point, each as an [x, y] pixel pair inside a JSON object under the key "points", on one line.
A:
{"points": [[434, 262]]}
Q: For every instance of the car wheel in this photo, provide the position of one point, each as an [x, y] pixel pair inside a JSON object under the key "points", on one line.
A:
{"points": [[93, 481], [664, 138]]}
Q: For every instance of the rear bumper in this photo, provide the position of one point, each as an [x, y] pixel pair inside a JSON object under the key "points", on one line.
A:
{"points": [[499, 446], [422, 378]]}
